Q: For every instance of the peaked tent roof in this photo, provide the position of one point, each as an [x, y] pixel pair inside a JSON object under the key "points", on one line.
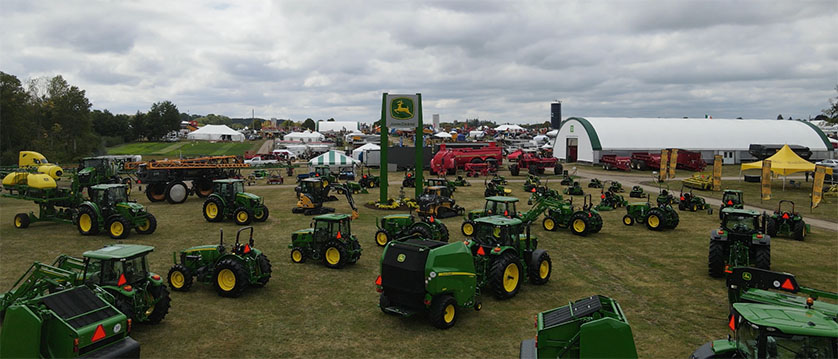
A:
{"points": [[332, 158], [784, 162], [509, 128], [214, 132]]}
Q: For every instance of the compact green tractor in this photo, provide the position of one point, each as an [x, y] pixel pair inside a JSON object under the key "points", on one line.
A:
{"points": [[499, 180], [505, 253], [409, 178], [740, 242], [460, 182], [231, 272], [786, 223], [593, 327], [325, 173], [690, 202], [731, 198], [495, 205], [368, 180], [655, 218], [109, 209], [574, 190], [609, 201], [566, 180], [229, 200], [595, 183], [616, 187], [532, 181], [353, 187], [494, 188], [401, 226], [441, 182], [561, 214], [427, 276], [329, 238], [436, 201], [637, 192]]}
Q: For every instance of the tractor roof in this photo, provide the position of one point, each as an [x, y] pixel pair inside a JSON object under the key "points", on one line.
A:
{"points": [[747, 212], [313, 179], [107, 186], [228, 180], [498, 220], [332, 217], [436, 187], [789, 320], [502, 199], [733, 190], [118, 251]]}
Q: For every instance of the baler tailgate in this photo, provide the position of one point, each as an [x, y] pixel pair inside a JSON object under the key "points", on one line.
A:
{"points": [[79, 307], [580, 308]]}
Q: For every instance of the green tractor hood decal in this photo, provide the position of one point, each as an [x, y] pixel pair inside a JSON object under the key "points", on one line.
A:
{"points": [[249, 196], [134, 207]]}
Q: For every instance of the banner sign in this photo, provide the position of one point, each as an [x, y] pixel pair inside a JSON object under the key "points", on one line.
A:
{"points": [[664, 162], [402, 111], [766, 180], [717, 172], [817, 186], [673, 162]]}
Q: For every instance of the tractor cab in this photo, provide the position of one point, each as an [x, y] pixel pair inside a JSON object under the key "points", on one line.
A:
{"points": [[228, 188], [109, 195], [322, 171], [119, 265], [500, 205], [440, 182], [329, 226], [731, 198], [740, 221], [498, 231]]}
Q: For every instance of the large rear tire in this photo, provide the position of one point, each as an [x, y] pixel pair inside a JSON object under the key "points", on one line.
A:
{"points": [[265, 267], [443, 311], [156, 192], [230, 278], [540, 267], [799, 230], [422, 231], [771, 227], [716, 259], [505, 275], [88, 221], [334, 255], [654, 220], [203, 188], [176, 192], [579, 224], [762, 257], [213, 210], [159, 310]]}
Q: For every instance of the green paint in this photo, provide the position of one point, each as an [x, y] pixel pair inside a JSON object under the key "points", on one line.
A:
{"points": [[820, 134], [592, 135], [385, 144]]}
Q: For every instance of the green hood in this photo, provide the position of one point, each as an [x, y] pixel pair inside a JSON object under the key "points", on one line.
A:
{"points": [[250, 196], [134, 207]]}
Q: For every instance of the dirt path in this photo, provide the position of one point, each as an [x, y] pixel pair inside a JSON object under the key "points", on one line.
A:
{"points": [[267, 146]]}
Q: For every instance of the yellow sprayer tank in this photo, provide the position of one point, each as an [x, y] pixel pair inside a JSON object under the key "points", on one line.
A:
{"points": [[28, 159], [40, 181], [15, 178]]}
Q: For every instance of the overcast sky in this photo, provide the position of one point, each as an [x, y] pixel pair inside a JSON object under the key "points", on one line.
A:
{"points": [[497, 60]]}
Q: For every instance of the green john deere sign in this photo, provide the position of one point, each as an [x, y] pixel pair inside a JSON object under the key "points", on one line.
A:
{"points": [[402, 111]]}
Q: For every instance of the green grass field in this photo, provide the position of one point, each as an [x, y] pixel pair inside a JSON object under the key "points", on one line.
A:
{"points": [[184, 148], [308, 310]]}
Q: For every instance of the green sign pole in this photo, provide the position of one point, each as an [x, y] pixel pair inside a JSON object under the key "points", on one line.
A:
{"points": [[419, 144], [385, 143]]}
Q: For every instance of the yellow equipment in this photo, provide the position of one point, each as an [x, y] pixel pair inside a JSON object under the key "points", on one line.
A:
{"points": [[45, 177]]}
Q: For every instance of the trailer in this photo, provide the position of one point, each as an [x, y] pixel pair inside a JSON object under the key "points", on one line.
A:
{"points": [[449, 160], [533, 162], [614, 162], [165, 180], [690, 161], [645, 161]]}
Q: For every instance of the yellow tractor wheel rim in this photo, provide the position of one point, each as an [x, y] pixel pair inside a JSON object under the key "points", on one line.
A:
{"points": [[579, 225], [381, 238], [145, 226], [226, 280], [117, 228], [543, 269], [332, 255], [242, 216], [371, 184], [18, 222], [85, 222], [177, 279], [212, 210], [549, 224], [510, 278], [468, 229], [450, 312], [627, 220], [695, 208], [325, 183], [654, 221], [297, 256], [149, 299]]}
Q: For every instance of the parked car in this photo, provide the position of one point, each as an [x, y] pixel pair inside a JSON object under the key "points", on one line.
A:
{"points": [[258, 161], [828, 163]]}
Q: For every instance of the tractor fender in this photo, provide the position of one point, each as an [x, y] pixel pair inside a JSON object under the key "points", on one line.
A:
{"points": [[534, 256], [503, 249], [377, 225], [764, 241], [231, 256], [427, 226], [119, 291], [94, 207], [716, 237], [154, 282]]}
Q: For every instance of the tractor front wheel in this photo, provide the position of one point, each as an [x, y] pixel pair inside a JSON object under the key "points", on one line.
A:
{"points": [[88, 222], [762, 257], [297, 255], [443, 311], [579, 224], [799, 230], [213, 210], [21, 220], [180, 278], [334, 255], [230, 278], [467, 228], [716, 259], [148, 226], [158, 311], [549, 224], [540, 267], [628, 220], [118, 227], [382, 237], [261, 214], [242, 216], [505, 275]]}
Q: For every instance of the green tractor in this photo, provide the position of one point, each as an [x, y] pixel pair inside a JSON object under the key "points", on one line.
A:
{"points": [[740, 242], [532, 181], [353, 187], [595, 183], [499, 180], [495, 188], [460, 182], [441, 182], [230, 272], [409, 178], [400, 226], [505, 253], [593, 327], [561, 214], [427, 276], [616, 187], [574, 190], [637, 192], [495, 205], [609, 201], [690, 202], [655, 218], [103, 170], [731, 198], [110, 209], [786, 223], [368, 180], [229, 200], [328, 239], [754, 285], [325, 173]]}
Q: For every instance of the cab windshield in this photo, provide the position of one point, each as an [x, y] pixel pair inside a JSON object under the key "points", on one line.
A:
{"points": [[487, 233], [116, 195], [238, 187], [133, 269], [500, 208], [741, 223], [798, 346]]}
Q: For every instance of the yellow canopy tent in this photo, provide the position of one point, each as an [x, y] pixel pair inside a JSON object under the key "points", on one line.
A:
{"points": [[784, 162]]}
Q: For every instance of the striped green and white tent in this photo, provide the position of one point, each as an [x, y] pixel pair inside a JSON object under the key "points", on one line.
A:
{"points": [[332, 158]]}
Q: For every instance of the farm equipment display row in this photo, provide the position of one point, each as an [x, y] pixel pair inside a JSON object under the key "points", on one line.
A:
{"points": [[644, 161]]}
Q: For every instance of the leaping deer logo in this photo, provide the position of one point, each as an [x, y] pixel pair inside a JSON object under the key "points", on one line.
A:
{"points": [[400, 111]]}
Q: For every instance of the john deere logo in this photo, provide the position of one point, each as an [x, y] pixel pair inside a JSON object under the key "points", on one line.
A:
{"points": [[746, 275], [401, 108], [400, 258], [571, 128]]}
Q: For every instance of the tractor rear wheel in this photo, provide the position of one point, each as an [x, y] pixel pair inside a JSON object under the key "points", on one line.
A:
{"points": [[382, 237], [549, 224], [654, 220], [356, 249], [118, 227], [203, 187], [628, 220], [681, 206], [265, 268], [242, 216], [230, 278], [261, 214], [596, 223], [762, 257], [123, 304], [176, 192], [443, 311], [799, 230], [771, 227], [716, 259], [579, 224], [213, 210], [514, 170], [180, 278], [297, 255], [422, 231], [156, 192], [334, 255], [88, 222], [674, 219], [21, 220], [505, 275], [147, 227], [443, 233], [467, 228], [158, 311], [540, 267]]}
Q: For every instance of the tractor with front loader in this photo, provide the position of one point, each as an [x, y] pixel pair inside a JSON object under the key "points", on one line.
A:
{"points": [[229, 200], [559, 213], [437, 201], [402, 226], [690, 202], [110, 209], [788, 223], [574, 190], [655, 218], [328, 239], [495, 205], [739, 242], [230, 272], [592, 327], [731, 198], [531, 182]]}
